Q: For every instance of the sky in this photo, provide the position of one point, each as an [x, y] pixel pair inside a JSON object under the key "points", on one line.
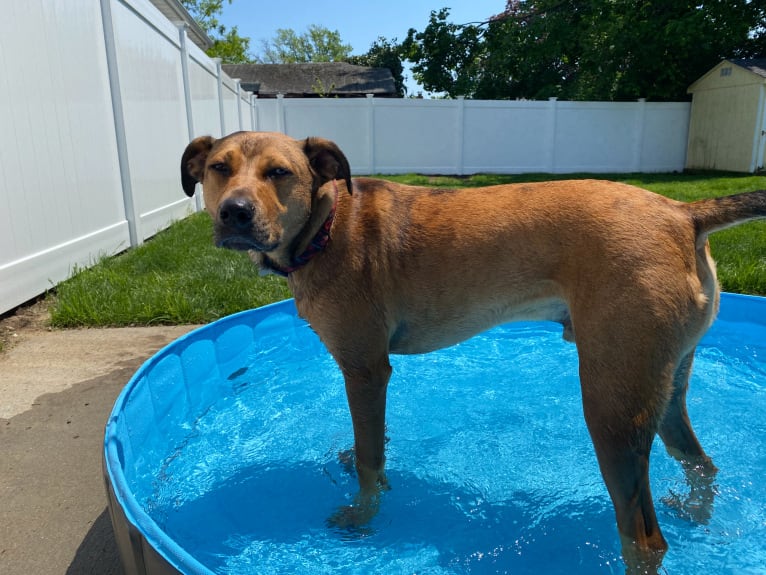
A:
{"points": [[359, 23]]}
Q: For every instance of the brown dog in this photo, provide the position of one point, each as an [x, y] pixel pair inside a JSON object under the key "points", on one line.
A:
{"points": [[399, 269]]}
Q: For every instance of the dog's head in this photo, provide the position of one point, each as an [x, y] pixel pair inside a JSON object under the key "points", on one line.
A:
{"points": [[261, 188]]}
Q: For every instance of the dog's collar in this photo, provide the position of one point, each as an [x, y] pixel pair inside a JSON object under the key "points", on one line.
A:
{"points": [[317, 245]]}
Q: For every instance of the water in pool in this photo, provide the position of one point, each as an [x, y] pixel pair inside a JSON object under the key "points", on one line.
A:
{"points": [[490, 463]]}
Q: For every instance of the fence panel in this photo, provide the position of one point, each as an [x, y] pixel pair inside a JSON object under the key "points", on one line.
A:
{"points": [[203, 84], [463, 136], [90, 158], [154, 113], [509, 137], [594, 137], [416, 136], [230, 118], [265, 114], [60, 193], [665, 133], [343, 121], [243, 108]]}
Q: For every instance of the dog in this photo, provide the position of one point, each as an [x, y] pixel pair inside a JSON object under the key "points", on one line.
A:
{"points": [[381, 268]]}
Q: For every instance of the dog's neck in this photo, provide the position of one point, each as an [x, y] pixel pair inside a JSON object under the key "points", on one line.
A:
{"points": [[314, 247]]}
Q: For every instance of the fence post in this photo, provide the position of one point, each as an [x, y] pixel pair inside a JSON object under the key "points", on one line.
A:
{"points": [[238, 85], [183, 37], [759, 144], [639, 135], [371, 132], [552, 133], [254, 112], [460, 133], [129, 201], [221, 111], [281, 113]]}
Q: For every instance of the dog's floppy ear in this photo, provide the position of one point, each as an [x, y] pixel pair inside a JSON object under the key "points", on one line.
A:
{"points": [[328, 162], [193, 162]]}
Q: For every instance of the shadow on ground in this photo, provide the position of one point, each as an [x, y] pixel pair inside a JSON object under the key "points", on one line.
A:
{"points": [[54, 503], [97, 554]]}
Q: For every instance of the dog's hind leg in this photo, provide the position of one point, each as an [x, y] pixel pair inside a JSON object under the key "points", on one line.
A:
{"points": [[676, 430], [622, 407], [682, 443]]}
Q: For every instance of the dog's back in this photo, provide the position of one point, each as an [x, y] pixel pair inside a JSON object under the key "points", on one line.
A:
{"points": [[459, 261]]}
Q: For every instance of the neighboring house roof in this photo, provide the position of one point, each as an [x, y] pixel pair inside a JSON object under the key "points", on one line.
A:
{"points": [[174, 11], [755, 65], [313, 79]]}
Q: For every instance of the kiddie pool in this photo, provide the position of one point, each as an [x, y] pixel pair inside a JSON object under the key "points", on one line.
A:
{"points": [[222, 456]]}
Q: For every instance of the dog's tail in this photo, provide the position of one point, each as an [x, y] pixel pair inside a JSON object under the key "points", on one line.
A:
{"points": [[714, 214]]}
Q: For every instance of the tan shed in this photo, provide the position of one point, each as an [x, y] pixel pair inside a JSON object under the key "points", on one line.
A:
{"points": [[727, 128]]}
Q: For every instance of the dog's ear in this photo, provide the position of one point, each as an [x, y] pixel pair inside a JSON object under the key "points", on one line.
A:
{"points": [[327, 161], [193, 162]]}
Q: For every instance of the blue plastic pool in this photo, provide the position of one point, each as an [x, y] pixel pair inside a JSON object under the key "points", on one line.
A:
{"points": [[221, 456]]}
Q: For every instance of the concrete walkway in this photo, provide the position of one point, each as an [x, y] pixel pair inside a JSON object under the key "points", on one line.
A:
{"points": [[57, 389]]}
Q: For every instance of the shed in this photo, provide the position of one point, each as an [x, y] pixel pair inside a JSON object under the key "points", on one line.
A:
{"points": [[727, 128], [313, 80]]}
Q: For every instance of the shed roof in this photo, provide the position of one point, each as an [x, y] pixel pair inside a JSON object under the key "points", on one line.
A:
{"points": [[313, 79], [751, 70]]}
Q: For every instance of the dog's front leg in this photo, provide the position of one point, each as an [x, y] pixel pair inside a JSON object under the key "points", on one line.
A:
{"points": [[366, 393]]}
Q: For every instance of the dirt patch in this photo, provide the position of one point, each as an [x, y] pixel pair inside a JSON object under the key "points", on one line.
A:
{"points": [[29, 318]]}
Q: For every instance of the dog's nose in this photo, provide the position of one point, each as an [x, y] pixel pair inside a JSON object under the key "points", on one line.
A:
{"points": [[236, 213]]}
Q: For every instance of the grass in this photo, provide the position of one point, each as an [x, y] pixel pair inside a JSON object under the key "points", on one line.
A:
{"points": [[179, 277]]}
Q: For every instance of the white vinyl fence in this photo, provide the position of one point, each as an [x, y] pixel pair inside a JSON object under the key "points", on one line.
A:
{"points": [[387, 136], [97, 102], [99, 98]]}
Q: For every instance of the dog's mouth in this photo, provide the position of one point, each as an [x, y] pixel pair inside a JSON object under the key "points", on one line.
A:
{"points": [[243, 243]]}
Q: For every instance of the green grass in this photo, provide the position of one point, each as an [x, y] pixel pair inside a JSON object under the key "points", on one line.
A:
{"points": [[179, 277]]}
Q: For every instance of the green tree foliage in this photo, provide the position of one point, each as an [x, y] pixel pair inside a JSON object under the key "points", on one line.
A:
{"points": [[227, 43], [384, 54], [585, 49], [317, 44], [445, 55]]}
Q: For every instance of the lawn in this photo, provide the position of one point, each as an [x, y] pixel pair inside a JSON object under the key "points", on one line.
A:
{"points": [[179, 277]]}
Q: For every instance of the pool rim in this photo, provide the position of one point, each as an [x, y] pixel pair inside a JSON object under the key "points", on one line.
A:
{"points": [[142, 543]]}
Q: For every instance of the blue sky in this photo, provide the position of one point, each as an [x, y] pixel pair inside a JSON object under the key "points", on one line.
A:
{"points": [[359, 23]]}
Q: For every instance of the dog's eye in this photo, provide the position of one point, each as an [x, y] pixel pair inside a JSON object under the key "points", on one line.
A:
{"points": [[278, 173], [221, 168]]}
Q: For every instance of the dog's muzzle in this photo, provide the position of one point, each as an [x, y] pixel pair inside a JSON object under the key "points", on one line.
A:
{"points": [[236, 228]]}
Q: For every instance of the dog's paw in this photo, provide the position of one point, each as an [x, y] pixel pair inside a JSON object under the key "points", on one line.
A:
{"points": [[354, 518], [695, 509], [697, 505]]}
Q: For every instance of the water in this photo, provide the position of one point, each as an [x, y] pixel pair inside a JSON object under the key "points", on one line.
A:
{"points": [[490, 463]]}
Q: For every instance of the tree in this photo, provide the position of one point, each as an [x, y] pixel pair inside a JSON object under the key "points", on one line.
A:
{"points": [[657, 48], [585, 49], [317, 44], [445, 55], [228, 45], [384, 54]]}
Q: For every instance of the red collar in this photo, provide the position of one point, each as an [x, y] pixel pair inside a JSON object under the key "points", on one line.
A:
{"points": [[317, 245]]}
